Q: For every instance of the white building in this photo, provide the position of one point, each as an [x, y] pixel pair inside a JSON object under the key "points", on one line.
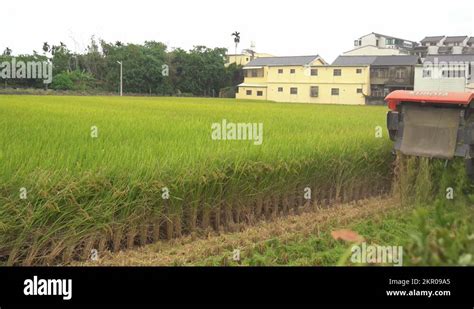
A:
{"points": [[453, 73], [376, 44]]}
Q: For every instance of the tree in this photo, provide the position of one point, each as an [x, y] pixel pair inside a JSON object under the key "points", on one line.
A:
{"points": [[199, 71], [61, 58]]}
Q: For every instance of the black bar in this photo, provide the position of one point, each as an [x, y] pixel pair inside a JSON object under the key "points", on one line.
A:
{"points": [[241, 285]]}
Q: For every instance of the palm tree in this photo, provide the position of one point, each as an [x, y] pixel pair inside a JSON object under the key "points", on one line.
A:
{"points": [[7, 52], [236, 36], [46, 47]]}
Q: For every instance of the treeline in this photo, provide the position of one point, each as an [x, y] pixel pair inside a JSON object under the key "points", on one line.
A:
{"points": [[149, 68]]}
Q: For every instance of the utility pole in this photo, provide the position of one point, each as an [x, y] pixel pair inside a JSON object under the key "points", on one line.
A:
{"points": [[121, 80]]}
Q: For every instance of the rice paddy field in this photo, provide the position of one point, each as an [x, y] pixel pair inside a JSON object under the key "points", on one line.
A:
{"points": [[84, 173]]}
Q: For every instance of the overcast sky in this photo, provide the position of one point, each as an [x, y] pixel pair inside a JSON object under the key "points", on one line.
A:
{"points": [[289, 27]]}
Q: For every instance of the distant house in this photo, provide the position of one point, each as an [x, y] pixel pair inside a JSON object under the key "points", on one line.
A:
{"points": [[387, 73], [456, 40], [429, 45], [445, 45], [244, 58], [433, 41], [377, 44], [304, 79]]}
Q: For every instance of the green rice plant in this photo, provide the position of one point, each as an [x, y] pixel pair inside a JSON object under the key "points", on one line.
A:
{"points": [[106, 192], [441, 197]]}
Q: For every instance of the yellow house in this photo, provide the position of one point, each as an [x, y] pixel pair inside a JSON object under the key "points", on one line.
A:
{"points": [[244, 58], [304, 79]]}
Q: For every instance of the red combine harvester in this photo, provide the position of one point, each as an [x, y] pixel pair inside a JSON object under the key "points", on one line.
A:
{"points": [[433, 124]]}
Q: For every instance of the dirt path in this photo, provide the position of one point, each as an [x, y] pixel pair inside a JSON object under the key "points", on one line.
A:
{"points": [[189, 250]]}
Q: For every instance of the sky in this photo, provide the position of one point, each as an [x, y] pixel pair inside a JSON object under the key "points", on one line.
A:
{"points": [[278, 27]]}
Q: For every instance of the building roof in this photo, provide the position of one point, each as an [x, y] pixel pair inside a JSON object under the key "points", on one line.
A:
{"points": [[432, 39], [354, 60], [283, 61], [448, 58], [376, 60], [252, 85], [455, 39], [388, 36], [397, 60], [378, 48]]}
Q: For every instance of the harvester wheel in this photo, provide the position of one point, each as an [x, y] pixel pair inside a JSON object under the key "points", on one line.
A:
{"points": [[392, 134]]}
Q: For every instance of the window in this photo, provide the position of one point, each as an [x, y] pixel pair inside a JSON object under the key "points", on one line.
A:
{"points": [[377, 91], [400, 73], [259, 93], [314, 91], [293, 90], [426, 73], [358, 71], [280, 71], [280, 89], [249, 92], [379, 73], [292, 71], [337, 72], [253, 73], [359, 90], [453, 73], [314, 72], [334, 91]]}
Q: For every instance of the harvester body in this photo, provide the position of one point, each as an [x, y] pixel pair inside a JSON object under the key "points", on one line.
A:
{"points": [[432, 124]]}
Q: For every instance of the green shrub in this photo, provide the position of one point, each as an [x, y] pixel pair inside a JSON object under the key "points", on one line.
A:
{"points": [[74, 80], [62, 81]]}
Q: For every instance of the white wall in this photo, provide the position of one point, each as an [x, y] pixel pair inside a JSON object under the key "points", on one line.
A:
{"points": [[438, 84], [371, 39]]}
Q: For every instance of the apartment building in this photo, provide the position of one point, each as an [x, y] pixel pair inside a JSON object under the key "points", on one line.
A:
{"points": [[445, 45], [304, 79], [376, 44]]}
